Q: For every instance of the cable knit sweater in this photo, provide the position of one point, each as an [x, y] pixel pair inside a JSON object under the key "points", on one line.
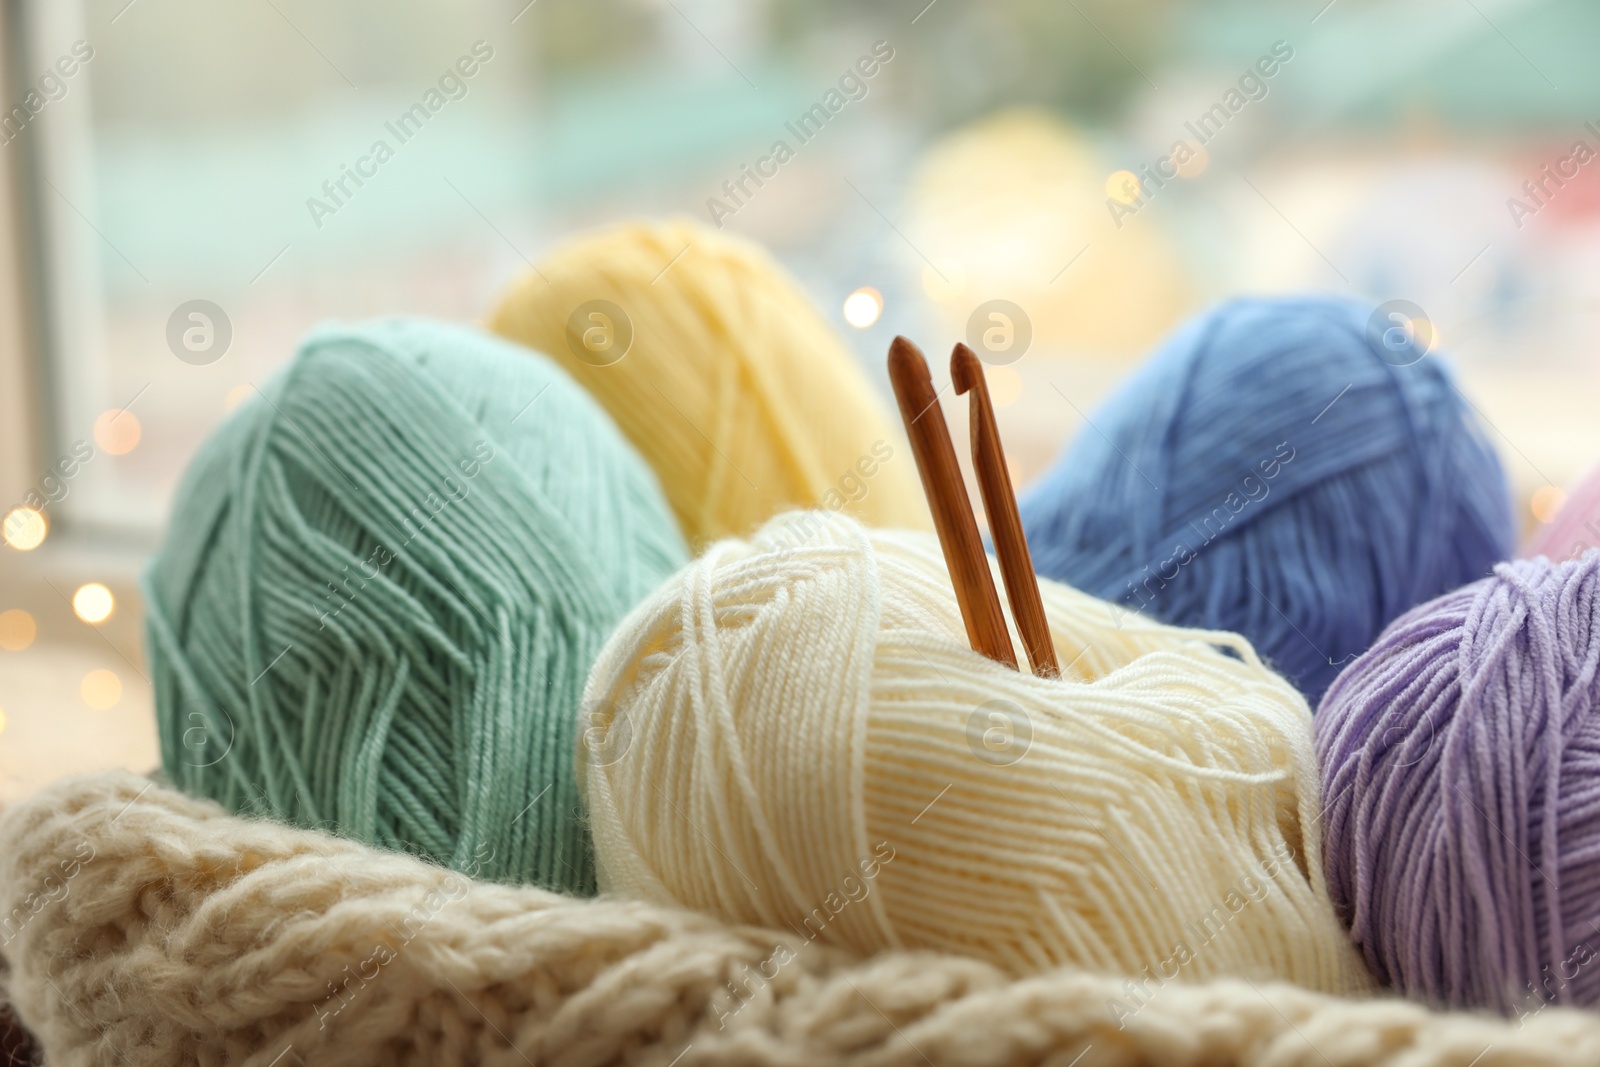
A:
{"points": [[140, 926]]}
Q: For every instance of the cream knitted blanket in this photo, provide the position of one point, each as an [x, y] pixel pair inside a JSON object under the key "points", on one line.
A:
{"points": [[144, 927]]}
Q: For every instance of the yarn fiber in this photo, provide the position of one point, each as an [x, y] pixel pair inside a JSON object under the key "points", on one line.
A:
{"points": [[264, 938], [1461, 763], [384, 582], [792, 732], [740, 396], [1269, 472], [1575, 529]]}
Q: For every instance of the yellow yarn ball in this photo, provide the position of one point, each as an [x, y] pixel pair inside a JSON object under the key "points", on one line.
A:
{"points": [[721, 373], [792, 732]]}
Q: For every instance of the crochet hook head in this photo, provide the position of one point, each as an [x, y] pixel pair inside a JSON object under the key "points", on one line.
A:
{"points": [[1005, 524], [947, 500]]}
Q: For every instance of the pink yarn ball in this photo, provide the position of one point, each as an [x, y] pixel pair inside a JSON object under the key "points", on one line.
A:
{"points": [[1575, 528]]}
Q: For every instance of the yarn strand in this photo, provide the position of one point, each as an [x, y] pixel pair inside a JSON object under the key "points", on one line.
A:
{"points": [[1461, 759], [386, 581], [811, 745]]}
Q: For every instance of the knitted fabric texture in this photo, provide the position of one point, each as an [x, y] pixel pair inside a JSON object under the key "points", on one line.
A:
{"points": [[384, 583], [793, 732], [743, 399], [185, 936], [17, 1047]]}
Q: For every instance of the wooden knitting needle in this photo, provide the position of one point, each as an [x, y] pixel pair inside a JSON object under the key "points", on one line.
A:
{"points": [[1005, 524], [947, 499]]}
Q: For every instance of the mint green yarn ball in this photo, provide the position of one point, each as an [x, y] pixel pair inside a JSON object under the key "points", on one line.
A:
{"points": [[385, 579]]}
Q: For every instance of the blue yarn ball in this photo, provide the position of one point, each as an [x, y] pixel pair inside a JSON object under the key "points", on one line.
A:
{"points": [[1268, 471]]}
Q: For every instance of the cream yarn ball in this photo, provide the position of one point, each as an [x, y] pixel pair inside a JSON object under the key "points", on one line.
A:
{"points": [[792, 732]]}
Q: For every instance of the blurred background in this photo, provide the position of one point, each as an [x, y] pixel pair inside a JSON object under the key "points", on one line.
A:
{"points": [[155, 153]]}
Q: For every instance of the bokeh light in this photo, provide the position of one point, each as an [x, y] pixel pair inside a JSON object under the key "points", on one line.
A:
{"points": [[944, 280], [237, 396], [17, 630], [1005, 385], [101, 689], [2, 721], [1019, 200], [25, 528], [1195, 165], [93, 603], [862, 307], [1546, 501], [117, 431], [1123, 186]]}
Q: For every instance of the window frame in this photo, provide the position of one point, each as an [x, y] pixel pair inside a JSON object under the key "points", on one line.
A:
{"points": [[60, 358]]}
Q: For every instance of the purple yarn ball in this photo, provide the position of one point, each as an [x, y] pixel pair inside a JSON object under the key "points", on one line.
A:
{"points": [[1461, 791]]}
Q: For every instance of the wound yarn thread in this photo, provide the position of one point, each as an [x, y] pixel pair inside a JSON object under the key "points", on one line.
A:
{"points": [[1269, 471], [733, 388], [383, 584], [1461, 784], [792, 732]]}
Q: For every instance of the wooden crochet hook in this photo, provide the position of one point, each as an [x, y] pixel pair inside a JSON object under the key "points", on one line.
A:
{"points": [[947, 499], [1005, 524]]}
